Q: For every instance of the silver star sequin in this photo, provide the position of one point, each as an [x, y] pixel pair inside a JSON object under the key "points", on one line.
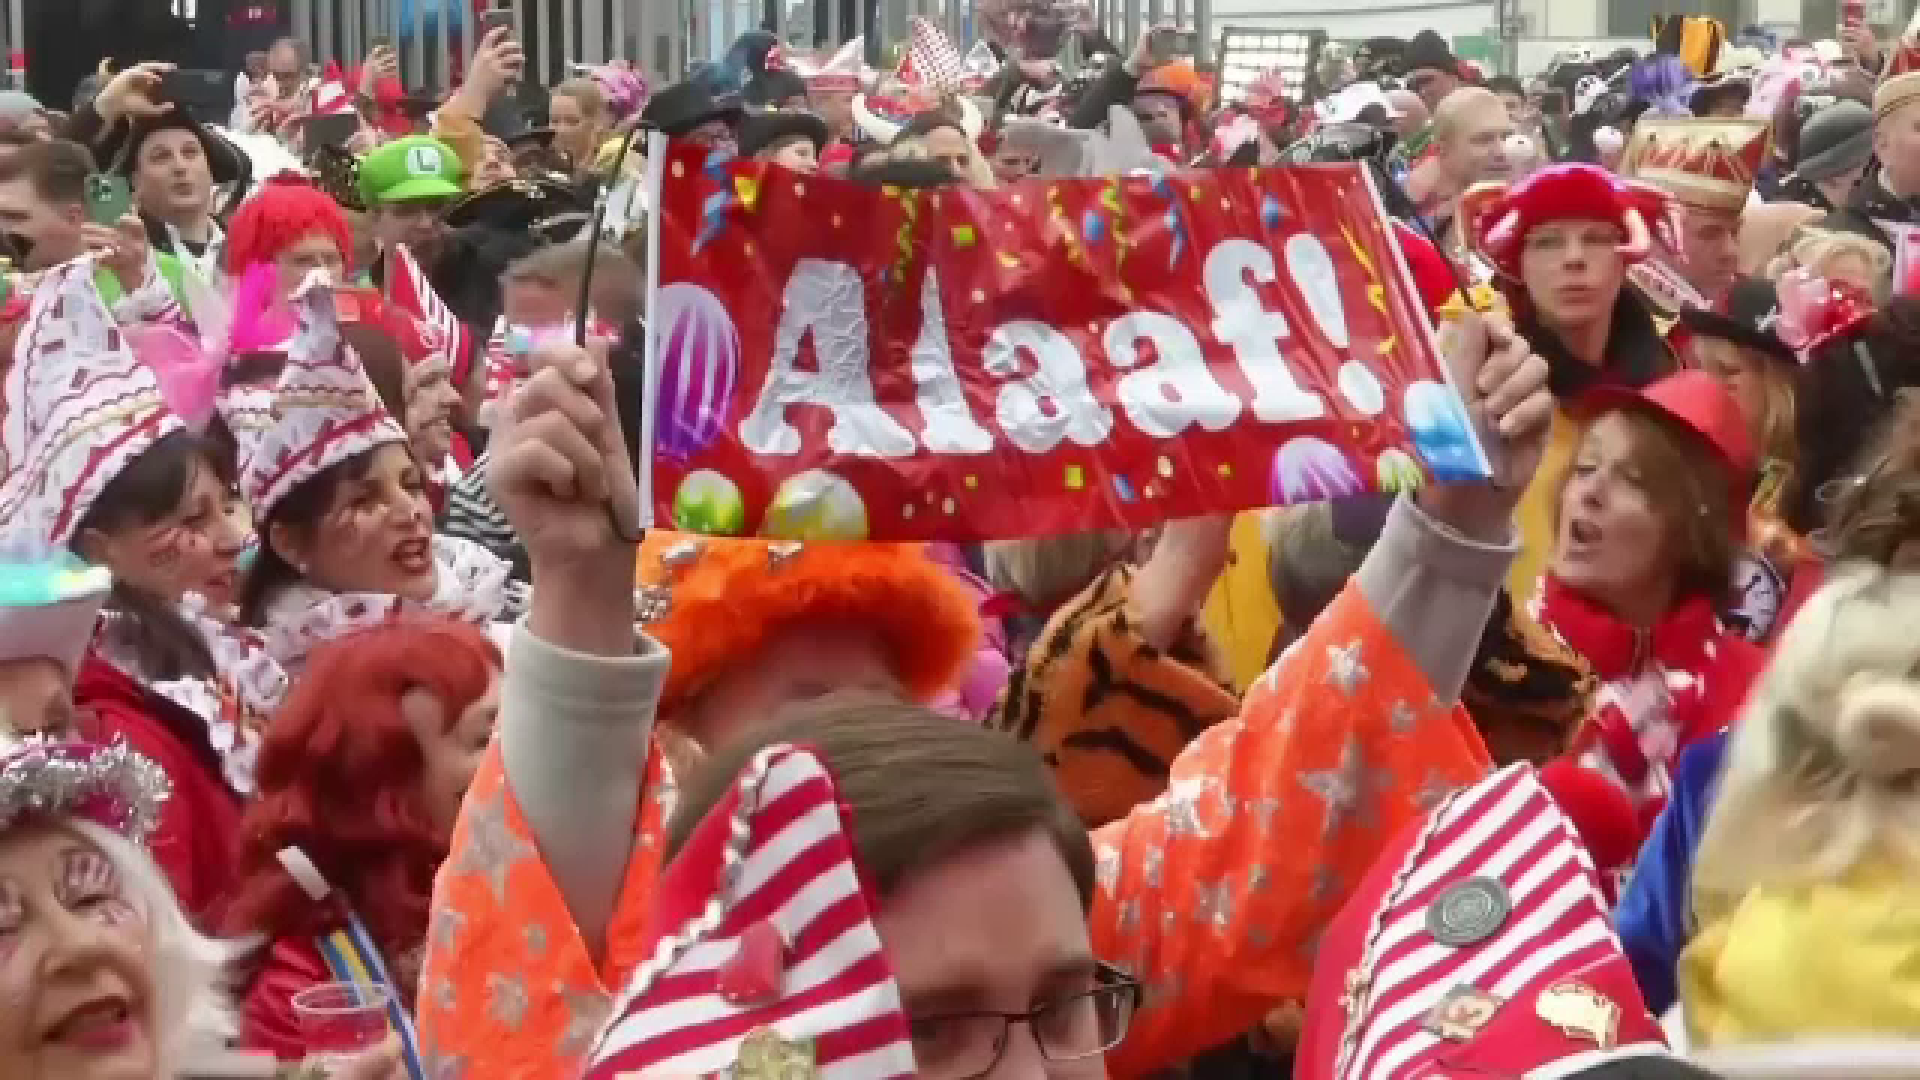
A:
{"points": [[1262, 810], [1433, 790], [445, 926], [1346, 788], [586, 1013], [506, 1000], [1214, 904], [1129, 916], [778, 555], [492, 848], [683, 554], [1106, 868], [1183, 804], [451, 1067], [1257, 877], [1401, 718], [535, 937], [446, 995], [1150, 863], [1344, 668]]}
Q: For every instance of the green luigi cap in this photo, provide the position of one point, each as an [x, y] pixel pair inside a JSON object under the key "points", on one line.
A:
{"points": [[416, 167]]}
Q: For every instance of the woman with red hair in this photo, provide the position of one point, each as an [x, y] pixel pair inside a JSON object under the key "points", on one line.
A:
{"points": [[293, 227], [360, 777]]}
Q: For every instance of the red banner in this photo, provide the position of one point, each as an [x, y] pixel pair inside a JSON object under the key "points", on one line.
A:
{"points": [[833, 362]]}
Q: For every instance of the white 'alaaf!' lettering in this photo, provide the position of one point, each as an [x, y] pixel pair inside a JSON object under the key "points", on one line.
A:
{"points": [[1044, 396], [1177, 390], [1038, 410], [827, 300], [950, 426], [1254, 333]]}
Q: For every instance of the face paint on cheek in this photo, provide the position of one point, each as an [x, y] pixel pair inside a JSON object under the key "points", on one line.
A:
{"points": [[164, 550], [87, 878]]}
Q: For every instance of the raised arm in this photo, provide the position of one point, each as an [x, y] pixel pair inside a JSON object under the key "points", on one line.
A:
{"points": [[1215, 893]]}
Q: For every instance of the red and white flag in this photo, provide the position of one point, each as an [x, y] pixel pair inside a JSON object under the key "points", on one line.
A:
{"points": [[409, 290], [931, 58], [330, 96]]}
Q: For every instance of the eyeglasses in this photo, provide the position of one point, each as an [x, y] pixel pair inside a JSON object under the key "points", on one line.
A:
{"points": [[969, 1045]]}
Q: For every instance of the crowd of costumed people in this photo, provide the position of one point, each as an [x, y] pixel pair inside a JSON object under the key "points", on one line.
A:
{"points": [[338, 678]]}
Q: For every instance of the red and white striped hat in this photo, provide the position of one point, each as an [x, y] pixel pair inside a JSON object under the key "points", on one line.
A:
{"points": [[765, 962], [1478, 945], [324, 409]]}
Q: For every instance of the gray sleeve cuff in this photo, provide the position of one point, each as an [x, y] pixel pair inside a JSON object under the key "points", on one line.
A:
{"points": [[1434, 589], [574, 732]]}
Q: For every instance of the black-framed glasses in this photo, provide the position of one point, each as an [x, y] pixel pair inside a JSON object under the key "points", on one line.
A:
{"points": [[1077, 1027]]}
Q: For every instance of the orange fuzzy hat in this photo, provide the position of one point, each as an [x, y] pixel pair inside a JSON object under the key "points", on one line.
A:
{"points": [[715, 602]]}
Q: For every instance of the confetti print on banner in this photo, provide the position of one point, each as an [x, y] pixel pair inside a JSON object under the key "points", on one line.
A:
{"points": [[1057, 216], [1176, 219], [1376, 289], [1122, 235], [909, 201], [713, 217]]}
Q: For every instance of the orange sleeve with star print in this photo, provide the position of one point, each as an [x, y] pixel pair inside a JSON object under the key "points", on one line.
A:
{"points": [[1215, 893]]}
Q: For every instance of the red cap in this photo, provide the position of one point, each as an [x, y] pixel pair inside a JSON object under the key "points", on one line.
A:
{"points": [[1497, 219], [1699, 401]]}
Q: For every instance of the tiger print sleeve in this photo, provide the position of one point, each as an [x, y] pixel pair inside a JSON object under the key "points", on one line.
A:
{"points": [[1108, 711], [1215, 893]]}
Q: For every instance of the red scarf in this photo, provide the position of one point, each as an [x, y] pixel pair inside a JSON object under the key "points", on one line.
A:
{"points": [[1706, 671]]}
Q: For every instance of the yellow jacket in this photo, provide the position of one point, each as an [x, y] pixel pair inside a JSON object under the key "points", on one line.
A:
{"points": [[1838, 959]]}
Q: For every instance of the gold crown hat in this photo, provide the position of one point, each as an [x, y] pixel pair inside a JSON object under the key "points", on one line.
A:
{"points": [[1705, 164], [79, 407]]}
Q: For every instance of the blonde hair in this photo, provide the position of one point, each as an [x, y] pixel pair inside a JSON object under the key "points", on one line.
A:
{"points": [[587, 94], [1048, 570], [1454, 109], [1817, 249], [1826, 753]]}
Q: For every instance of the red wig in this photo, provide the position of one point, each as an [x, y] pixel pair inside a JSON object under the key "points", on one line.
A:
{"points": [[339, 777], [283, 212]]}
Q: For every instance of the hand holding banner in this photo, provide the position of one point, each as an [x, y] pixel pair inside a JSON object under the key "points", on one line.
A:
{"points": [[833, 362]]}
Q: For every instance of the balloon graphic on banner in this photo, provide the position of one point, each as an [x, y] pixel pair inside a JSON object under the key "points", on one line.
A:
{"points": [[816, 506], [699, 360], [1396, 471], [1442, 431], [707, 502], [1312, 470]]}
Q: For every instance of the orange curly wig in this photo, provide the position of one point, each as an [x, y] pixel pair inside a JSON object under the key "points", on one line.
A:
{"points": [[734, 596]]}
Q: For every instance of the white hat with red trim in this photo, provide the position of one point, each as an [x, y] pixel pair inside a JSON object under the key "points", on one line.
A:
{"points": [[766, 962], [324, 409], [78, 407], [844, 70], [1479, 944]]}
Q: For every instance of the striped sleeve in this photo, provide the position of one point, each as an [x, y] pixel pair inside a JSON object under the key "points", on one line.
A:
{"points": [[472, 514]]}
